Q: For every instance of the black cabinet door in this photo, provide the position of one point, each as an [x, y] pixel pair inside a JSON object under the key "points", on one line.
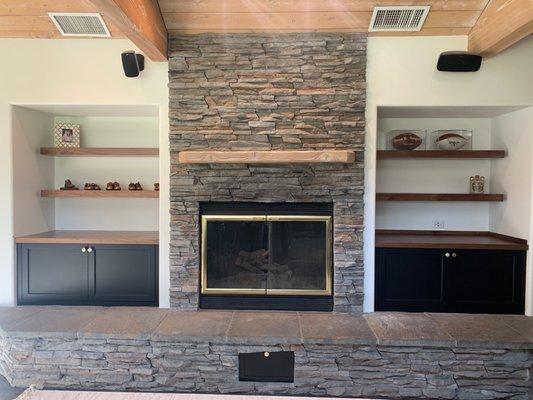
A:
{"points": [[469, 281], [487, 281], [52, 274], [410, 280], [123, 275]]}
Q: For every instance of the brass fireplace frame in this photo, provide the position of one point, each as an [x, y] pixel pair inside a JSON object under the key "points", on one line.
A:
{"points": [[265, 218]]}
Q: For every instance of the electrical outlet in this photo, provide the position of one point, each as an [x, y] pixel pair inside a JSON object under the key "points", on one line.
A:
{"points": [[438, 224]]}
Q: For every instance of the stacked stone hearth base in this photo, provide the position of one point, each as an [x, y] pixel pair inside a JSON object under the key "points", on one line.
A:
{"points": [[321, 369], [356, 364]]}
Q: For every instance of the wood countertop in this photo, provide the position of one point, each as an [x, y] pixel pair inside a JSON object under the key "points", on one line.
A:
{"points": [[412, 239], [92, 237]]}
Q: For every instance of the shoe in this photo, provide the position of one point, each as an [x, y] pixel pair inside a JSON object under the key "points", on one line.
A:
{"points": [[69, 186]]}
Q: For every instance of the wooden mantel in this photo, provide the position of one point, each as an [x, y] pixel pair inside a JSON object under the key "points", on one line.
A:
{"points": [[265, 156]]}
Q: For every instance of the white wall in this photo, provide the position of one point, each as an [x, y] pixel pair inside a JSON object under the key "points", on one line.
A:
{"points": [[74, 72], [31, 131], [109, 214], [401, 71], [513, 132], [432, 176]]}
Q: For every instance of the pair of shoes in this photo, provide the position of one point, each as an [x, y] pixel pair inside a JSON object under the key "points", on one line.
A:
{"points": [[156, 187], [91, 186], [113, 186], [68, 185], [135, 186]]}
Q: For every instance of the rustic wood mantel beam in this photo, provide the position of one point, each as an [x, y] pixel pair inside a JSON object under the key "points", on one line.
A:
{"points": [[141, 22], [264, 156], [502, 23]]}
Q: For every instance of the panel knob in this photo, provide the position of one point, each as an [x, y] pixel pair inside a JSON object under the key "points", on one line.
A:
{"points": [[83, 249], [446, 254], [89, 250], [454, 255]]}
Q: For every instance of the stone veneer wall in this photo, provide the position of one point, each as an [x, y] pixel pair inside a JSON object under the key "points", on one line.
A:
{"points": [[172, 364], [285, 91]]}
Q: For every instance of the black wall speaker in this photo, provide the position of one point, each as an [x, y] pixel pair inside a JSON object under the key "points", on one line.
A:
{"points": [[133, 63], [458, 61]]}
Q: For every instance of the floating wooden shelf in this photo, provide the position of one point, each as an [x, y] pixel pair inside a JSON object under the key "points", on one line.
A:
{"points": [[100, 151], [265, 156], [385, 154], [438, 197], [92, 237], [100, 193]]}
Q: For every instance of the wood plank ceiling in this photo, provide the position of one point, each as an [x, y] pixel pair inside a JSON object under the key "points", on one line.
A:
{"points": [[29, 18], [446, 17], [491, 25]]}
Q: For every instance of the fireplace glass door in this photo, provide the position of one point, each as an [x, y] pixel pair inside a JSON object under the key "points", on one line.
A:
{"points": [[266, 255]]}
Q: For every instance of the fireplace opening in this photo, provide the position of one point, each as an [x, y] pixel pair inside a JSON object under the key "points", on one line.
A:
{"points": [[266, 256]]}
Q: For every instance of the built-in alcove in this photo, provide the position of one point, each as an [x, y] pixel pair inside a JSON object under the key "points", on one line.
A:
{"points": [[439, 247], [429, 189], [82, 246], [40, 170]]}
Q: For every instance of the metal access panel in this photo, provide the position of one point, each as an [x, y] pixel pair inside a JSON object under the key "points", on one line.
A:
{"points": [[267, 366]]}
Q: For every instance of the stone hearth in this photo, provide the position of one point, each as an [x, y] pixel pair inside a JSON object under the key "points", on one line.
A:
{"points": [[385, 355], [257, 92]]}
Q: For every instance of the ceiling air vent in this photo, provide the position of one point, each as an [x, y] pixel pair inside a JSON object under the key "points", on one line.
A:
{"points": [[80, 24], [398, 18]]}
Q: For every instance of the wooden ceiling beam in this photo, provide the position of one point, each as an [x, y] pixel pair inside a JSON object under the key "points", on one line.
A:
{"points": [[501, 24], [141, 22]]}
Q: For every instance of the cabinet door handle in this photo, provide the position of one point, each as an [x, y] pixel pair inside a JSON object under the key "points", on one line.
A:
{"points": [[89, 250], [454, 255], [83, 249], [446, 254]]}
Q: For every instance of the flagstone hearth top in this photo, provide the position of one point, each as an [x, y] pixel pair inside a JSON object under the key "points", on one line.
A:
{"points": [[401, 329]]}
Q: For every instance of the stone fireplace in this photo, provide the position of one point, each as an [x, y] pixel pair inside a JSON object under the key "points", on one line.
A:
{"points": [[262, 92]]}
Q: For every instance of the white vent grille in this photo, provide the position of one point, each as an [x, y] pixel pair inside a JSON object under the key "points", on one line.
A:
{"points": [[398, 18], [80, 24]]}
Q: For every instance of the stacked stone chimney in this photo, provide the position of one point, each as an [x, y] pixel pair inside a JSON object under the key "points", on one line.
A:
{"points": [[263, 92]]}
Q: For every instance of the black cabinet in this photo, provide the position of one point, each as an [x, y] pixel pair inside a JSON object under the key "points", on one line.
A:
{"points": [[490, 281], [66, 274], [473, 281], [52, 274], [409, 280], [122, 274]]}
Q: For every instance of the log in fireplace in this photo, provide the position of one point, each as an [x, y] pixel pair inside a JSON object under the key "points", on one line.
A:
{"points": [[266, 256]]}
